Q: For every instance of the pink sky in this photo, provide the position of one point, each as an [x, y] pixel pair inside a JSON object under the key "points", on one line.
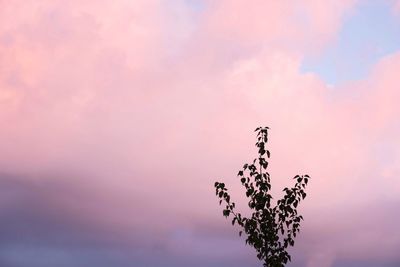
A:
{"points": [[117, 117]]}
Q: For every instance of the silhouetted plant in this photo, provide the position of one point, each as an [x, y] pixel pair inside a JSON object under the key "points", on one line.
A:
{"points": [[271, 229]]}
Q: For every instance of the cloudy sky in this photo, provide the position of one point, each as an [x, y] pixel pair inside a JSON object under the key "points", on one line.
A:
{"points": [[117, 117]]}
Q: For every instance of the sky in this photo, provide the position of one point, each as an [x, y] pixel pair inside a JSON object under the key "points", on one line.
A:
{"points": [[117, 117]]}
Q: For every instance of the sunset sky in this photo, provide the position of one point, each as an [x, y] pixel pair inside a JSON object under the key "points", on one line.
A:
{"points": [[117, 117]]}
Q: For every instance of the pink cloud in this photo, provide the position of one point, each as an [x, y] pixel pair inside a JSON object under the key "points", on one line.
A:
{"points": [[305, 25], [152, 104], [396, 7]]}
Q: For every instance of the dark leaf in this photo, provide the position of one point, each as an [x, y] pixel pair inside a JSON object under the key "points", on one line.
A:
{"points": [[268, 223]]}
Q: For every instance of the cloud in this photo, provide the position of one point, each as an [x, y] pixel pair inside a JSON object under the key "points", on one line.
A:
{"points": [[117, 118], [302, 25], [396, 7]]}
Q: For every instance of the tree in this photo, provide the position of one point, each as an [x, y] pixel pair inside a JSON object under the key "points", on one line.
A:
{"points": [[271, 229]]}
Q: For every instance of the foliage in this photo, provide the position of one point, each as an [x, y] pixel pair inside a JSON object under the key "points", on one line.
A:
{"points": [[271, 229]]}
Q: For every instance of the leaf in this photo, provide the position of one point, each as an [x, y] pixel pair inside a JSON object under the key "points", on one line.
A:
{"points": [[268, 223]]}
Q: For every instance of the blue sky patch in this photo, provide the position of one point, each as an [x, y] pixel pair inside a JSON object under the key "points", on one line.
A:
{"points": [[371, 32]]}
